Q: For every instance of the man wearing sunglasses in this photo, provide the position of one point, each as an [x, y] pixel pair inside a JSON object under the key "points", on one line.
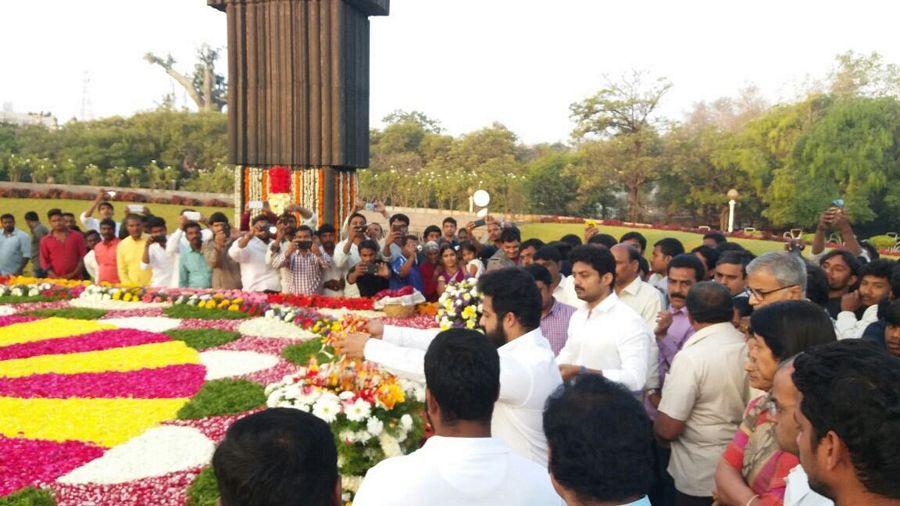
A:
{"points": [[775, 276]]}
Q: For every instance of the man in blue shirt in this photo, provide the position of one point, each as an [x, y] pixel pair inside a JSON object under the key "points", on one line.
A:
{"points": [[194, 272], [15, 247], [404, 268]]}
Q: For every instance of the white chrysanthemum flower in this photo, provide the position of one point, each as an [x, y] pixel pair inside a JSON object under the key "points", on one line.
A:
{"points": [[389, 445], [406, 422], [327, 409], [362, 436], [358, 411], [270, 314], [374, 426], [347, 435]]}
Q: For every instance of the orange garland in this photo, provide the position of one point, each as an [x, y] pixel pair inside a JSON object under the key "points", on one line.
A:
{"points": [[265, 185]]}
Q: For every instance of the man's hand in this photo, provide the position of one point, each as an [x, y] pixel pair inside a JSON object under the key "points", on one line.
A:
{"points": [[221, 239], [841, 222], [568, 371], [383, 270], [315, 249], [352, 345], [590, 231], [101, 193], [379, 206], [826, 220], [655, 399], [663, 322], [376, 327], [851, 301]]}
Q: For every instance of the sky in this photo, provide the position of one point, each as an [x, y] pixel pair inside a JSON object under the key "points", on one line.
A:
{"points": [[466, 63]]}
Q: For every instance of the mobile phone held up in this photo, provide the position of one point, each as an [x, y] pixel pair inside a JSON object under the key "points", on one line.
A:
{"points": [[478, 223], [838, 203], [255, 204], [372, 268]]}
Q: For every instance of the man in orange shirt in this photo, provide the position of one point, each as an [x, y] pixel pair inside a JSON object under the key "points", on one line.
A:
{"points": [[105, 252]]}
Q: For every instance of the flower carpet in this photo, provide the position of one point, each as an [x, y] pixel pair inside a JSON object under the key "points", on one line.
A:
{"points": [[116, 399]]}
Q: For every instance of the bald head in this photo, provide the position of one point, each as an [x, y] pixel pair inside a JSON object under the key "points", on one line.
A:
{"points": [[627, 264]]}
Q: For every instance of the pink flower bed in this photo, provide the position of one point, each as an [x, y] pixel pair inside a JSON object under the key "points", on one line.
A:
{"points": [[95, 341], [168, 490], [14, 319], [135, 313], [165, 382], [26, 462], [416, 322], [230, 325], [272, 374], [257, 344]]}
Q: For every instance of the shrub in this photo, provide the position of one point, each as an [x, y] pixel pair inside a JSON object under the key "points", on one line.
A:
{"points": [[223, 397]]}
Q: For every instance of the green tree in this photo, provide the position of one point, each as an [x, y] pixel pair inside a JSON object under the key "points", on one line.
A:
{"points": [[617, 130], [549, 185]]}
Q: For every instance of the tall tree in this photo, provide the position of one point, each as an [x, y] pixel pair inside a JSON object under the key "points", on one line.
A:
{"points": [[617, 129], [205, 87]]}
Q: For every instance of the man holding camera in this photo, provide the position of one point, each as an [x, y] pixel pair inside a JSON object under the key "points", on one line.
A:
{"points": [[226, 273], [305, 261], [104, 210], [346, 253], [369, 275], [250, 251], [158, 258]]}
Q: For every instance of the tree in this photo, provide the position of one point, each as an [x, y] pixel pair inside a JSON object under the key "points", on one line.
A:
{"points": [[618, 132], [864, 75], [549, 185], [205, 87]]}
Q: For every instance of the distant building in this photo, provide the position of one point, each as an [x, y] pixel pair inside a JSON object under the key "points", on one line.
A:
{"points": [[7, 115]]}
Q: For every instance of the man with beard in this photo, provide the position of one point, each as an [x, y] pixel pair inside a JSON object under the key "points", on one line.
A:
{"points": [[250, 251], [333, 279], [848, 422], [130, 254], [193, 271], [105, 252], [607, 337], [511, 319], [15, 247], [842, 270]]}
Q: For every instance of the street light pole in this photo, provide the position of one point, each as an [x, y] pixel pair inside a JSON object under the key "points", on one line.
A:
{"points": [[732, 201]]}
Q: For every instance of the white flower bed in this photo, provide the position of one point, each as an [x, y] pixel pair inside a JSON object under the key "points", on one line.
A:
{"points": [[145, 323], [7, 310], [274, 328], [157, 452], [226, 364]]}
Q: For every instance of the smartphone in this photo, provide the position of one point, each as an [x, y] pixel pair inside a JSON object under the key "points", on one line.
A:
{"points": [[304, 245], [838, 203], [372, 268], [397, 228], [193, 215], [135, 208], [273, 230], [479, 222], [370, 206], [255, 204], [111, 195]]}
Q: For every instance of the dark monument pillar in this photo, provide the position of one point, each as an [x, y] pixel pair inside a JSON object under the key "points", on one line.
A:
{"points": [[298, 100]]}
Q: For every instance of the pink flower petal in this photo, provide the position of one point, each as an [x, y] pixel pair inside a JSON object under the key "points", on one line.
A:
{"points": [[27, 462], [165, 382], [95, 341]]}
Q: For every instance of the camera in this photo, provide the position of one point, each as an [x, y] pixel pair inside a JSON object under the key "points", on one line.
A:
{"points": [[372, 268], [303, 245]]}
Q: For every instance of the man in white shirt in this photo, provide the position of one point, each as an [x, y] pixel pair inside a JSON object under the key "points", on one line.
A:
{"points": [[785, 399], [511, 320], [704, 395], [104, 210], [637, 294], [346, 252], [250, 251], [607, 337], [158, 257], [589, 423], [461, 464], [874, 287]]}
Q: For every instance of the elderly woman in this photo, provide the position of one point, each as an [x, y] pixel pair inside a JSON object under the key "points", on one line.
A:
{"points": [[430, 269], [753, 468]]}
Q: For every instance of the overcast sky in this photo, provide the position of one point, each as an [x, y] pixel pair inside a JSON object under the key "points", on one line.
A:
{"points": [[466, 63]]}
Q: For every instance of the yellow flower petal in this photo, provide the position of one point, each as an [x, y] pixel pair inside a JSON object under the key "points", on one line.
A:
{"points": [[50, 328]]}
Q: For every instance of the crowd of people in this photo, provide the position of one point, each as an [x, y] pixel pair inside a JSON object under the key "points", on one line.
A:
{"points": [[709, 376]]}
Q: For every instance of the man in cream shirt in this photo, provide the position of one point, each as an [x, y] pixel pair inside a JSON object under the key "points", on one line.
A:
{"points": [[464, 462], [607, 337], [704, 395], [528, 375]]}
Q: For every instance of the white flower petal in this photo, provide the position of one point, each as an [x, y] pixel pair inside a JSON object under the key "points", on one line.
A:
{"points": [[145, 323], [225, 364]]}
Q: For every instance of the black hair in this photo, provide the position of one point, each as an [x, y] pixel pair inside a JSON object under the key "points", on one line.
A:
{"points": [[731, 246], [710, 302], [468, 246], [870, 249], [325, 229], [399, 217], [604, 240], [734, 257], [280, 456], [895, 281], [90, 233], [54, 212], [410, 237], [108, 222], [816, 284], [719, 237], [357, 215], [639, 237], [688, 261], [306, 228], [431, 229], [571, 239], [892, 314], [669, 246], [67, 214], [643, 265], [848, 258], [510, 234], [31, 216], [258, 218], [710, 256], [600, 259], [600, 440], [539, 273], [8, 216], [852, 388], [548, 253], [532, 243], [190, 224], [881, 268], [449, 219], [368, 244], [462, 372], [217, 217], [106, 204], [791, 326], [131, 217], [155, 221], [512, 290]]}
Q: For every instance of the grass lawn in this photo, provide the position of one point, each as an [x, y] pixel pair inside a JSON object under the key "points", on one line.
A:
{"points": [[18, 208], [553, 231]]}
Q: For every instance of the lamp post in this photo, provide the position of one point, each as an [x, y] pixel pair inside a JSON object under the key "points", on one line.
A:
{"points": [[732, 201]]}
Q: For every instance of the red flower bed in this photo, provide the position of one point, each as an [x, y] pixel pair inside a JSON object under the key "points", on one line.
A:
{"points": [[320, 301]]}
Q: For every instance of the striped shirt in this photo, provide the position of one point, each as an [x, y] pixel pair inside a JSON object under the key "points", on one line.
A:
{"points": [[555, 325], [305, 270]]}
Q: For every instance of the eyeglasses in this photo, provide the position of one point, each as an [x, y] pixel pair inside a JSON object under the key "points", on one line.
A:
{"points": [[759, 294]]}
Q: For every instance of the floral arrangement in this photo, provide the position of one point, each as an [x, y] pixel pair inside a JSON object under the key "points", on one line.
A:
{"points": [[49, 289], [372, 414], [460, 305], [320, 301]]}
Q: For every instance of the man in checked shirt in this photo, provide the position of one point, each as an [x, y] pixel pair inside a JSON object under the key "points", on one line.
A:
{"points": [[305, 261]]}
